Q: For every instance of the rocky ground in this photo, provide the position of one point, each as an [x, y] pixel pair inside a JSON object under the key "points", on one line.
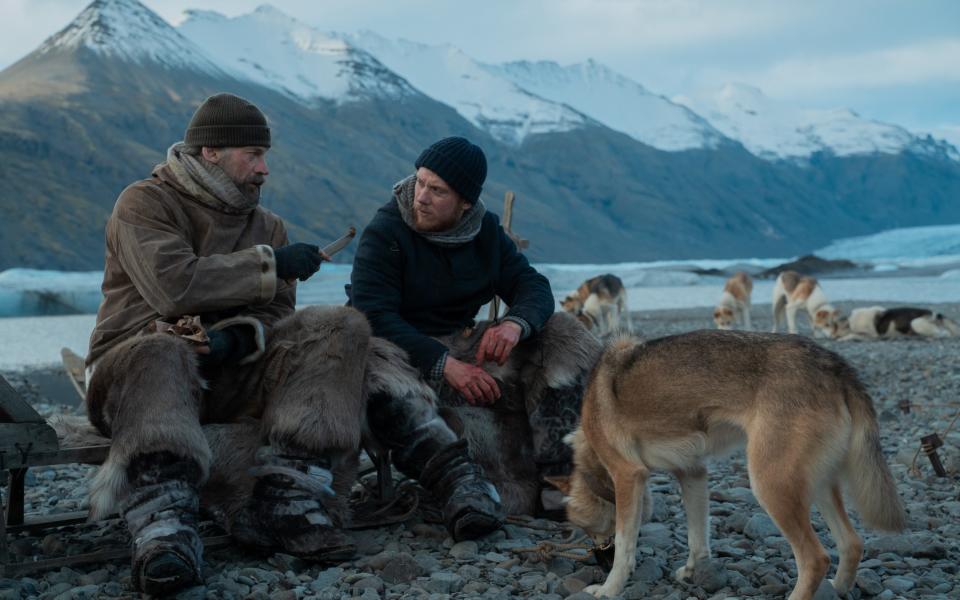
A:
{"points": [[751, 559]]}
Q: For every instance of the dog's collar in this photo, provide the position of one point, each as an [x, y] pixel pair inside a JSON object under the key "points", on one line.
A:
{"points": [[600, 487]]}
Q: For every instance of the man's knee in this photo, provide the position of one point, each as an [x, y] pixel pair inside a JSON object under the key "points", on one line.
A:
{"points": [[401, 423], [139, 372], [324, 321]]}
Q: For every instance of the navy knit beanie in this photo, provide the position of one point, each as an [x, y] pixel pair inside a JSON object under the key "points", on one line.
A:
{"points": [[227, 121], [459, 163]]}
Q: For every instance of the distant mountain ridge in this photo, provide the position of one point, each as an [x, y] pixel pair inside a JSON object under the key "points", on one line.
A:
{"points": [[773, 130], [275, 50], [620, 103], [96, 106]]}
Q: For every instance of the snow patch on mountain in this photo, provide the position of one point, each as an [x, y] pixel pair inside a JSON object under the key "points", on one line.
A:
{"points": [[616, 101], [272, 48], [128, 30], [485, 98], [774, 130]]}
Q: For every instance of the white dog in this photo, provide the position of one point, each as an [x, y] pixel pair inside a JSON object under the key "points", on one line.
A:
{"points": [[734, 305], [793, 292]]}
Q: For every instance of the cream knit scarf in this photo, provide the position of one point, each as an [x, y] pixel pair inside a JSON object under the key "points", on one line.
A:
{"points": [[207, 182]]}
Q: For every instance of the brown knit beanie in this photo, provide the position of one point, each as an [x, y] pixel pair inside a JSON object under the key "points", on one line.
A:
{"points": [[227, 121]]}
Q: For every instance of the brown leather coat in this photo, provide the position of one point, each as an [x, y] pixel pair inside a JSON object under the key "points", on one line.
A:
{"points": [[168, 254]]}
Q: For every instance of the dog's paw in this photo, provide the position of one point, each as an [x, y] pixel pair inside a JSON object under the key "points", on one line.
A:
{"points": [[683, 573], [602, 591], [841, 587]]}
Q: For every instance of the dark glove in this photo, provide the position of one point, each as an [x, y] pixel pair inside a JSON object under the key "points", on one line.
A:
{"points": [[228, 346], [297, 261]]}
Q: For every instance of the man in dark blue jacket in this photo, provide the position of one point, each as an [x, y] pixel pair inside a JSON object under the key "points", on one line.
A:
{"points": [[426, 264]]}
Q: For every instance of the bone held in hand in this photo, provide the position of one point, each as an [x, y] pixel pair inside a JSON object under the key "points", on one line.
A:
{"points": [[341, 243]]}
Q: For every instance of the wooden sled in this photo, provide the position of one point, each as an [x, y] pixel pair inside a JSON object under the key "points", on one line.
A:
{"points": [[27, 440]]}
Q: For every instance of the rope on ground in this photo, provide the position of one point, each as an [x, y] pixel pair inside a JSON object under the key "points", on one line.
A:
{"points": [[370, 510], [545, 551], [526, 522]]}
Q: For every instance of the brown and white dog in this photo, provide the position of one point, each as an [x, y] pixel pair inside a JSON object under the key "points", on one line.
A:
{"points": [[792, 292], [734, 305], [670, 404], [876, 322], [600, 303]]}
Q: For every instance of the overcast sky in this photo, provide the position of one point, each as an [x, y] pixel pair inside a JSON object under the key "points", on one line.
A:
{"points": [[896, 61]]}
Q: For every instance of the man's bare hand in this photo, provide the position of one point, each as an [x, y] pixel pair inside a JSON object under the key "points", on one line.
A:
{"points": [[498, 341], [472, 382]]}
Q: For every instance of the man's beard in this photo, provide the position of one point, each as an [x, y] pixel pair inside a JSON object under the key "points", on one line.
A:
{"points": [[250, 188], [432, 226]]}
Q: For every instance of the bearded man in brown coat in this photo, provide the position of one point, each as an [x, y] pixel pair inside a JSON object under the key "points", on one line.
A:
{"points": [[288, 388]]}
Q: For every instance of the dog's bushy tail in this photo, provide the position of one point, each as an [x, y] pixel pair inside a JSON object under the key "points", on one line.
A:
{"points": [[869, 479]]}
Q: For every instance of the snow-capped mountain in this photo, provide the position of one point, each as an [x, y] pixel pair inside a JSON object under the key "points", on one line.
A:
{"points": [[589, 190], [616, 101], [282, 53], [488, 100], [774, 130], [128, 30]]}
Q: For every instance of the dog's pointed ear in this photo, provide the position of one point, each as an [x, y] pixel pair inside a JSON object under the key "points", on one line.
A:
{"points": [[561, 482]]}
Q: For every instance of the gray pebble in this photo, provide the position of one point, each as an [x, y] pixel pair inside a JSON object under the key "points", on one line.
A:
{"points": [[371, 581], [443, 582], [530, 581], [709, 575], [464, 550], [326, 579], [403, 568], [647, 570], [760, 526], [825, 591], [899, 585]]}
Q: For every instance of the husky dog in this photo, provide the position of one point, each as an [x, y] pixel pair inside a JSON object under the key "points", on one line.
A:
{"points": [[792, 292], [734, 305], [808, 425], [600, 303], [878, 322]]}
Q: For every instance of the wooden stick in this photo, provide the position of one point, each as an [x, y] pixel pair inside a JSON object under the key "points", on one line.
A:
{"points": [[508, 199]]}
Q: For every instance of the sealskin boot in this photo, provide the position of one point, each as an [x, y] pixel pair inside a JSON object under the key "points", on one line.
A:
{"points": [[161, 514], [287, 510], [471, 504]]}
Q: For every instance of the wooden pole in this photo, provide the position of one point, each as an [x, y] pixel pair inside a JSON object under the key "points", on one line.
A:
{"points": [[521, 243]]}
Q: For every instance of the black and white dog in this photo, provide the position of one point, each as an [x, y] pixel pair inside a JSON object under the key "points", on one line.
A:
{"points": [[879, 322]]}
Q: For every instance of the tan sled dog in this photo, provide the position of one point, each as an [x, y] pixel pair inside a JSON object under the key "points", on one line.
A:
{"points": [[600, 303], [734, 305], [792, 292], [672, 403]]}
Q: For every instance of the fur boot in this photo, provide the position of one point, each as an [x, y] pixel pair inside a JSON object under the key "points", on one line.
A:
{"points": [[427, 450], [293, 509], [161, 514], [471, 505]]}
